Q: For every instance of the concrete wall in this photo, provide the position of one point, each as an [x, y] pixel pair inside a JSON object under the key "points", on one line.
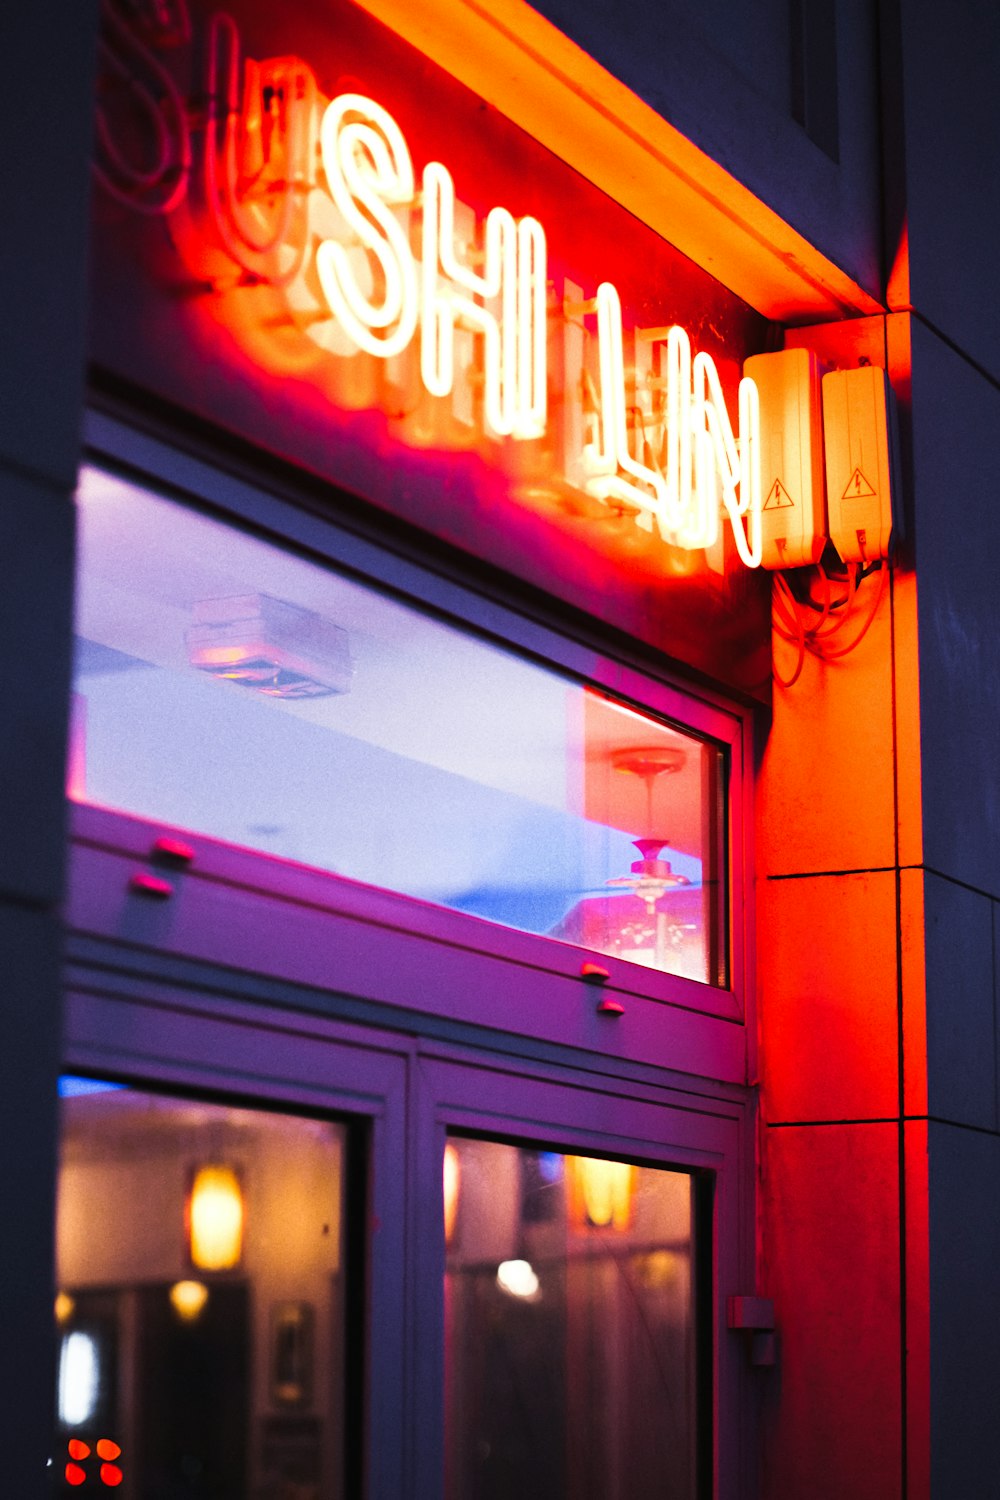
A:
{"points": [[783, 93], [838, 827], [951, 1053], [950, 170], [48, 51], [879, 910]]}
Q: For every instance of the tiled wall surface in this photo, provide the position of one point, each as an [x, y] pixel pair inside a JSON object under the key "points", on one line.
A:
{"points": [[879, 901], [830, 947]]}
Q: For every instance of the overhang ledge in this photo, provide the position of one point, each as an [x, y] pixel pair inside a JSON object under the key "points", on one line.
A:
{"points": [[518, 61]]}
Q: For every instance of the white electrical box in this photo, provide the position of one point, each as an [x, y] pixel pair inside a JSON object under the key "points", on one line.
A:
{"points": [[791, 464], [859, 427]]}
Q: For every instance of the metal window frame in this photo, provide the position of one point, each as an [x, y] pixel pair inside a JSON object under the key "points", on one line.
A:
{"points": [[676, 1008], [711, 1139]]}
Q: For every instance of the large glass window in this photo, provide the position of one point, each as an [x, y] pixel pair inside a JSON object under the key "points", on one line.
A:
{"points": [[201, 1305], [238, 690], [570, 1327]]}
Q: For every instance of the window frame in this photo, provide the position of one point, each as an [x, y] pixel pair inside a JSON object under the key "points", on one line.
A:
{"points": [[587, 655]]}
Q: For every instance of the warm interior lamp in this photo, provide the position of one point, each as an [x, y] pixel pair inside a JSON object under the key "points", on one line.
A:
{"points": [[187, 1298], [64, 1307], [604, 1192], [654, 916], [452, 1176], [215, 1219]]}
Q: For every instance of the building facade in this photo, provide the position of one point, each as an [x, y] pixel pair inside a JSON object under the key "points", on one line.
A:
{"points": [[374, 947]]}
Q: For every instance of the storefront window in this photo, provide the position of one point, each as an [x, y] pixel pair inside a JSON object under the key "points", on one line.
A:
{"points": [[229, 687], [569, 1305], [200, 1312]]}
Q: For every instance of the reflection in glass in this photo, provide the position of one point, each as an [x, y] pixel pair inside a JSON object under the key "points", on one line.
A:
{"points": [[570, 1340], [222, 1387], [228, 687], [79, 1378]]}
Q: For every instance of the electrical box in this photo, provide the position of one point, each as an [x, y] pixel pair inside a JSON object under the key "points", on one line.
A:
{"points": [[859, 428], [791, 461]]}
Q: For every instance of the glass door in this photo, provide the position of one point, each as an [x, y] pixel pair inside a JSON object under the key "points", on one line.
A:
{"points": [[201, 1311], [230, 1245], [571, 1344], [302, 1257], [571, 1334]]}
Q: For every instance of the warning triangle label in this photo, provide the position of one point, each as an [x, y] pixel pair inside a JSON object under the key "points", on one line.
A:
{"points": [[857, 487], [778, 498]]}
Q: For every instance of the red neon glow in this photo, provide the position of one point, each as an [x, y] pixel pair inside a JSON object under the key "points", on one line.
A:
{"points": [[438, 350], [682, 495], [452, 1183], [342, 247], [78, 1449], [76, 787], [106, 1448], [111, 1475], [514, 277], [75, 1475], [370, 285]]}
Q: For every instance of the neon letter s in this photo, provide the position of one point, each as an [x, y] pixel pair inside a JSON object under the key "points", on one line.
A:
{"points": [[368, 169]]}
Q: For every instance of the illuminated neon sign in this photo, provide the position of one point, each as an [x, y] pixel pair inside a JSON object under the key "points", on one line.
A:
{"points": [[319, 201], [370, 178]]}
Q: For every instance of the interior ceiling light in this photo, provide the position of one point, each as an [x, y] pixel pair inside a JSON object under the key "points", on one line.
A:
{"points": [[604, 1190], [277, 648], [188, 1298], [215, 1218], [79, 1378]]}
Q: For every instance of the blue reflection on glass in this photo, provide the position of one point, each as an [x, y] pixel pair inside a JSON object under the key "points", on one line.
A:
{"points": [[71, 1086]]}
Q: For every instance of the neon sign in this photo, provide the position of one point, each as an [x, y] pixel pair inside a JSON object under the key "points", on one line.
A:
{"points": [[318, 200], [369, 174]]}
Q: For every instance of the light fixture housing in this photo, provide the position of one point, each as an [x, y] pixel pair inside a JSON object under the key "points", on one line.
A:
{"points": [[276, 648]]}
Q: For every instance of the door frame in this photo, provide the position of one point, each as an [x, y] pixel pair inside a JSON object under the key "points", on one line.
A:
{"points": [[154, 1019], [151, 1032]]}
